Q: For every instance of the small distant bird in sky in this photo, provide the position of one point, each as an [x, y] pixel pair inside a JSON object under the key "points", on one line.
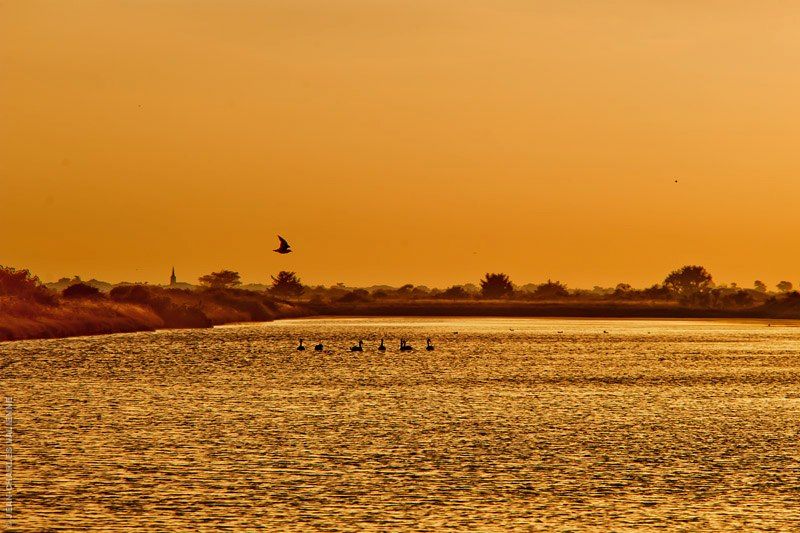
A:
{"points": [[676, 180], [284, 247]]}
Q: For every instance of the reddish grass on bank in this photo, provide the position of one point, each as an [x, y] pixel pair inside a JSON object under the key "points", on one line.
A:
{"points": [[137, 308], [23, 319], [785, 308], [144, 308]]}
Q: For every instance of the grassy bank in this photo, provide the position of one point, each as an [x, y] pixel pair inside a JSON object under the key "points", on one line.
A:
{"points": [[783, 308], [20, 319], [29, 310], [140, 308], [136, 308]]}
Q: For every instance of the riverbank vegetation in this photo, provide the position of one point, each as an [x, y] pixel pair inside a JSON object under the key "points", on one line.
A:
{"points": [[30, 309]]}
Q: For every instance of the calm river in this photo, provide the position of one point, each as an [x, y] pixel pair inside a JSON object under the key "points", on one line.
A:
{"points": [[510, 424]]}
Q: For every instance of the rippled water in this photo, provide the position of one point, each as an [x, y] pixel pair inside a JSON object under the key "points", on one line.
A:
{"points": [[511, 424]]}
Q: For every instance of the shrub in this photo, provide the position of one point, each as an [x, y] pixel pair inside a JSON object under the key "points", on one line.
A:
{"points": [[551, 289], [286, 284], [138, 294], [81, 291], [456, 292], [688, 280], [623, 290], [220, 280], [358, 295], [496, 286], [20, 283], [785, 286]]}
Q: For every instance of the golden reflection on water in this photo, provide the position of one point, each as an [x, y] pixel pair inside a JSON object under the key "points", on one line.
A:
{"points": [[511, 424]]}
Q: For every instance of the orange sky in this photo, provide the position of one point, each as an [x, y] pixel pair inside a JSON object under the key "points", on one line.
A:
{"points": [[392, 141]]}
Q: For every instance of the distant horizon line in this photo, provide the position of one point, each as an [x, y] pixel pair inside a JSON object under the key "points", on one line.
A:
{"points": [[388, 285]]}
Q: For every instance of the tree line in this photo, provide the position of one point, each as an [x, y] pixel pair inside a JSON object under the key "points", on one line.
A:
{"points": [[690, 285]]}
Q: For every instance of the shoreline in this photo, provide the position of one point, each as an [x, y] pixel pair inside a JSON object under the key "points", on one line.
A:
{"points": [[131, 318], [551, 310]]}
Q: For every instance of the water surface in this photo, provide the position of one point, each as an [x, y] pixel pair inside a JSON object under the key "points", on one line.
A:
{"points": [[510, 424]]}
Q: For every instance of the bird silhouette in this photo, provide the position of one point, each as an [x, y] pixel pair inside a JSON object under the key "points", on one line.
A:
{"points": [[319, 347], [382, 347], [429, 347], [300, 347], [358, 348], [284, 247]]}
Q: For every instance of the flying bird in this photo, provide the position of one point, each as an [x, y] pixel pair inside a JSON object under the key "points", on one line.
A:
{"points": [[284, 247]]}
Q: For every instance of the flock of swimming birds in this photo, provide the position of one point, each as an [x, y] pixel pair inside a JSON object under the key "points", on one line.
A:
{"points": [[404, 346], [284, 248]]}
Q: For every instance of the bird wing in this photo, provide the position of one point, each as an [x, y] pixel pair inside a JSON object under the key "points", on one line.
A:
{"points": [[284, 244]]}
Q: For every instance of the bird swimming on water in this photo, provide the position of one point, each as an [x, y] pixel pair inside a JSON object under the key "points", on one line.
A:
{"points": [[300, 347], [404, 346], [319, 347], [284, 247], [429, 347], [382, 347], [357, 348]]}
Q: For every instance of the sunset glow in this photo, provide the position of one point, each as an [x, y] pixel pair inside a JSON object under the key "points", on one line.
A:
{"points": [[400, 141]]}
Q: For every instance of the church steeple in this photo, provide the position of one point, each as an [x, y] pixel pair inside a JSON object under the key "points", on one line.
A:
{"points": [[172, 279]]}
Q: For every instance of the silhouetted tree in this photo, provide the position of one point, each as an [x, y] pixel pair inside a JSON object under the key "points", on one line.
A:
{"points": [[622, 290], [287, 284], [688, 280], [496, 286], [224, 279], [20, 283], [80, 291], [785, 286], [760, 286], [551, 289], [456, 292]]}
